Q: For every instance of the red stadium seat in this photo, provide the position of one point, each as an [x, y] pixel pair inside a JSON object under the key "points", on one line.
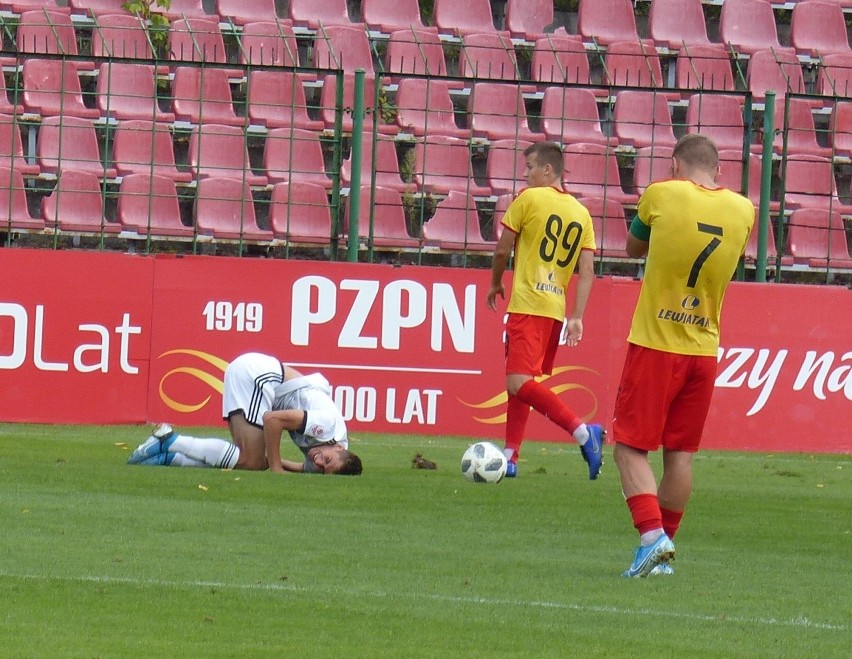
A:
{"points": [[122, 36], [505, 165], [818, 29], [607, 21], [148, 205], [799, 129], [720, 117], [51, 32], [268, 43], [198, 40], [415, 52], [748, 26], [455, 226], [840, 128], [312, 14], [344, 47], [498, 112], [52, 87], [651, 164], [675, 23], [500, 208], [463, 18], [68, 142], [246, 11], [294, 155], [180, 9], [610, 226], [731, 176], [382, 220], [632, 64], [560, 58], [704, 67], [424, 106], [776, 70], [834, 77], [96, 7], [528, 19], [14, 212], [442, 164], [388, 16], [220, 151], [816, 237], [12, 147], [144, 147], [570, 115], [202, 94], [488, 55], [809, 181], [300, 214], [328, 104], [591, 170], [386, 169], [77, 204], [642, 118], [276, 99], [129, 91], [224, 209], [751, 251]]}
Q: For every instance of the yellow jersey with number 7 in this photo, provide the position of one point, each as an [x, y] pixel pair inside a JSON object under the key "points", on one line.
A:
{"points": [[696, 237]]}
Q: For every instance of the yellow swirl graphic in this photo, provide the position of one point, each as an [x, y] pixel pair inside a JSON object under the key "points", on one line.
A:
{"points": [[214, 382], [501, 398]]}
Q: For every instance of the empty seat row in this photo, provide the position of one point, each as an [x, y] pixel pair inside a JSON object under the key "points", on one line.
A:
{"points": [[815, 27], [224, 209], [441, 163], [497, 111]]}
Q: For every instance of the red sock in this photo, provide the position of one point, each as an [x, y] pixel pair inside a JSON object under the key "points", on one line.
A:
{"points": [[671, 521], [645, 509], [517, 413], [544, 401]]}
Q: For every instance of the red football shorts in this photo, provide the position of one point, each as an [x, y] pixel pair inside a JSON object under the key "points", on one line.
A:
{"points": [[531, 343], [663, 399]]}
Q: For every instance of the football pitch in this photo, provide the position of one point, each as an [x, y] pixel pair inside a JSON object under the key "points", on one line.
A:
{"points": [[100, 559]]}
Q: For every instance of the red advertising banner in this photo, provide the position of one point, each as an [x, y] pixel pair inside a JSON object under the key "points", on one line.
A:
{"points": [[89, 337], [74, 336]]}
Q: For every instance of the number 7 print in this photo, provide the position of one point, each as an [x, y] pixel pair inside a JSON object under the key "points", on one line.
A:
{"points": [[706, 252]]}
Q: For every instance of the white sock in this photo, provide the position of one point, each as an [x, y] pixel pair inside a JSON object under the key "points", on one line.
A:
{"points": [[650, 537], [212, 451], [509, 453], [581, 434], [180, 460]]}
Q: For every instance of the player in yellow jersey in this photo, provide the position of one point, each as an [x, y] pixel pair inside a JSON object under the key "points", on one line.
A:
{"points": [[693, 233], [550, 233]]}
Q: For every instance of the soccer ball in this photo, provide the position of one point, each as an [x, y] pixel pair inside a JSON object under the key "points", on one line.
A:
{"points": [[483, 462]]}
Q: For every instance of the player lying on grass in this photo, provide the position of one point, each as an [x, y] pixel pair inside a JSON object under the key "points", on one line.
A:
{"points": [[262, 399]]}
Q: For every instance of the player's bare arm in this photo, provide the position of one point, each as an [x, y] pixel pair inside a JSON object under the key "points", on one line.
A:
{"points": [[499, 261], [275, 423], [585, 279]]}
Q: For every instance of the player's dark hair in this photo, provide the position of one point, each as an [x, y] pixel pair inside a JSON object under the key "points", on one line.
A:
{"points": [[547, 153], [351, 465], [695, 150]]}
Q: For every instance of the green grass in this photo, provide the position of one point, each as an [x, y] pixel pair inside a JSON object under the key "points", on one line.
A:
{"points": [[98, 559]]}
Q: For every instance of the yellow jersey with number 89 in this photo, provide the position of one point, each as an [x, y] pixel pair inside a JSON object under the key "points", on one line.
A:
{"points": [[551, 229], [697, 236]]}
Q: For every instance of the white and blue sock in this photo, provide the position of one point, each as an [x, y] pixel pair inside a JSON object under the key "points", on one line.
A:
{"points": [[211, 451]]}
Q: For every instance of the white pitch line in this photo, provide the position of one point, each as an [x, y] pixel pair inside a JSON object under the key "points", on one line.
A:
{"points": [[800, 622]]}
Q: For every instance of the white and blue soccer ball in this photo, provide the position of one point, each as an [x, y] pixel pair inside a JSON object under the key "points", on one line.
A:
{"points": [[483, 462]]}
